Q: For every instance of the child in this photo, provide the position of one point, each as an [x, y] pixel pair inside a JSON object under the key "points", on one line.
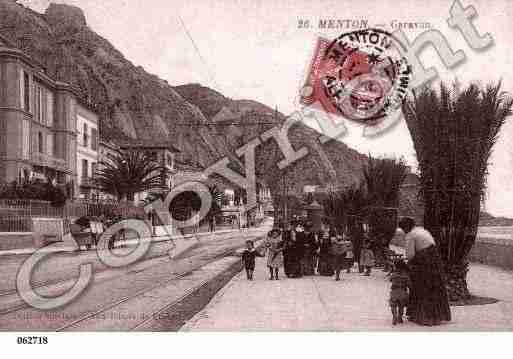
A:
{"points": [[248, 259], [367, 258], [399, 296], [339, 249], [274, 246]]}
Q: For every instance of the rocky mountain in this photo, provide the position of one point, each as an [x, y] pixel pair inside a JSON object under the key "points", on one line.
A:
{"points": [[332, 162], [133, 103]]}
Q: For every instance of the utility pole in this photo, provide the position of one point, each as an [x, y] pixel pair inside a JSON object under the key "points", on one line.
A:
{"points": [[285, 194]]}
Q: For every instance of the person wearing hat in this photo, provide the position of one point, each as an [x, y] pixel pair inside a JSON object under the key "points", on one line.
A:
{"points": [[325, 263], [295, 253], [309, 251]]}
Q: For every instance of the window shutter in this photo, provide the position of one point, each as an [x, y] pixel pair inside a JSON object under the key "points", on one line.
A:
{"points": [[22, 89], [37, 102], [94, 139], [49, 108]]}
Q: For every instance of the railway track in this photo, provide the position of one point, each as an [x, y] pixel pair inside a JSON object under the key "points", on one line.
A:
{"points": [[144, 322], [41, 284], [76, 323], [114, 277]]}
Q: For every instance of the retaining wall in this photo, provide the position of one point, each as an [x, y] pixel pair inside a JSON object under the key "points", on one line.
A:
{"points": [[16, 240], [495, 250]]}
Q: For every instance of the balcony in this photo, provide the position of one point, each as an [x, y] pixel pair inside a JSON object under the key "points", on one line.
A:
{"points": [[41, 159]]}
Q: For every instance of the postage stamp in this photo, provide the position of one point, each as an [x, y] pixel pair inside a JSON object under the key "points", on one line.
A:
{"points": [[360, 75]]}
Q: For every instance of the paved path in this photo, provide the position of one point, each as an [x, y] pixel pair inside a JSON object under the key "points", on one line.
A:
{"points": [[353, 304]]}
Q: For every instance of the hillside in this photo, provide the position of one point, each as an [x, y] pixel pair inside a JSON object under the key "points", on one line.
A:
{"points": [[133, 103], [255, 118]]}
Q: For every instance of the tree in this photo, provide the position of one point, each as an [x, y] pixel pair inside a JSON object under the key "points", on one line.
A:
{"points": [[345, 208], [383, 177], [127, 172], [453, 134], [35, 189]]}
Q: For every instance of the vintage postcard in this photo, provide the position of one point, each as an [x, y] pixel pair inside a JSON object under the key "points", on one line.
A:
{"points": [[242, 166]]}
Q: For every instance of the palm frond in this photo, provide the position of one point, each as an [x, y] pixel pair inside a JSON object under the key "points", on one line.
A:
{"points": [[453, 132]]}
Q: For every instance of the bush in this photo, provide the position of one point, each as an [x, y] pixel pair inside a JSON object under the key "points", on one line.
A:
{"points": [[35, 190]]}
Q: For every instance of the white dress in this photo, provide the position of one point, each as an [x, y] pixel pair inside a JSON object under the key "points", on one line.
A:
{"points": [[274, 250]]}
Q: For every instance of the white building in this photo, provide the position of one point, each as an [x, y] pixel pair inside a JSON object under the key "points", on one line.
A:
{"points": [[87, 151]]}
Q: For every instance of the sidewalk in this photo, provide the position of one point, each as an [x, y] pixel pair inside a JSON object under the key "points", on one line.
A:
{"points": [[355, 303]]}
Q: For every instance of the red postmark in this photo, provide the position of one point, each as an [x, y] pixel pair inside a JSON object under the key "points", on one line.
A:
{"points": [[359, 75]]}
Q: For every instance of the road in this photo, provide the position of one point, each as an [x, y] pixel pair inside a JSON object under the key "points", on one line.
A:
{"points": [[124, 298]]}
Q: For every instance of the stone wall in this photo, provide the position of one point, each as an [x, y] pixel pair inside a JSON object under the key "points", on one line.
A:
{"points": [[10, 241], [490, 250], [493, 251]]}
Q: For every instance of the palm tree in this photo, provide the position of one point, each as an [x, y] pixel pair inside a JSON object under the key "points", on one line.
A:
{"points": [[383, 177], [453, 133], [127, 172], [345, 208]]}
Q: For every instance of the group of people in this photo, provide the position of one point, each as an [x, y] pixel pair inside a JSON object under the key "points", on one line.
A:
{"points": [[417, 287], [303, 252]]}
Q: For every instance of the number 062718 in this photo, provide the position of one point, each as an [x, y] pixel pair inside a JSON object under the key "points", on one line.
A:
{"points": [[32, 340]]}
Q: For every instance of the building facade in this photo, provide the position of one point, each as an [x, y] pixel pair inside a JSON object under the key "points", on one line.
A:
{"points": [[160, 152], [37, 122], [87, 152]]}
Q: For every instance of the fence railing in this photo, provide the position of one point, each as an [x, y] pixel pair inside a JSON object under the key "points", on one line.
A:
{"points": [[16, 214], [15, 224], [29, 208]]}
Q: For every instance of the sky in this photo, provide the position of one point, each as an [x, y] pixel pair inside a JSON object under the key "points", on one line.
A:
{"points": [[256, 50]]}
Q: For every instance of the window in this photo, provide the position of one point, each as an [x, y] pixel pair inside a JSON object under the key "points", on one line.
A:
{"points": [[49, 108], [94, 139], [40, 142], [49, 144], [39, 103], [85, 136], [84, 168], [26, 91]]}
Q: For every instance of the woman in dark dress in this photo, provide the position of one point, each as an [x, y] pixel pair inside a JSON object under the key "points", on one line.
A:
{"points": [[295, 252], [325, 265], [309, 249], [429, 304], [287, 245]]}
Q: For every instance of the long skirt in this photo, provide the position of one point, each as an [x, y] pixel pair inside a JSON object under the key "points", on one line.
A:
{"points": [[325, 265], [286, 261], [307, 263], [429, 304], [294, 263], [339, 262]]}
